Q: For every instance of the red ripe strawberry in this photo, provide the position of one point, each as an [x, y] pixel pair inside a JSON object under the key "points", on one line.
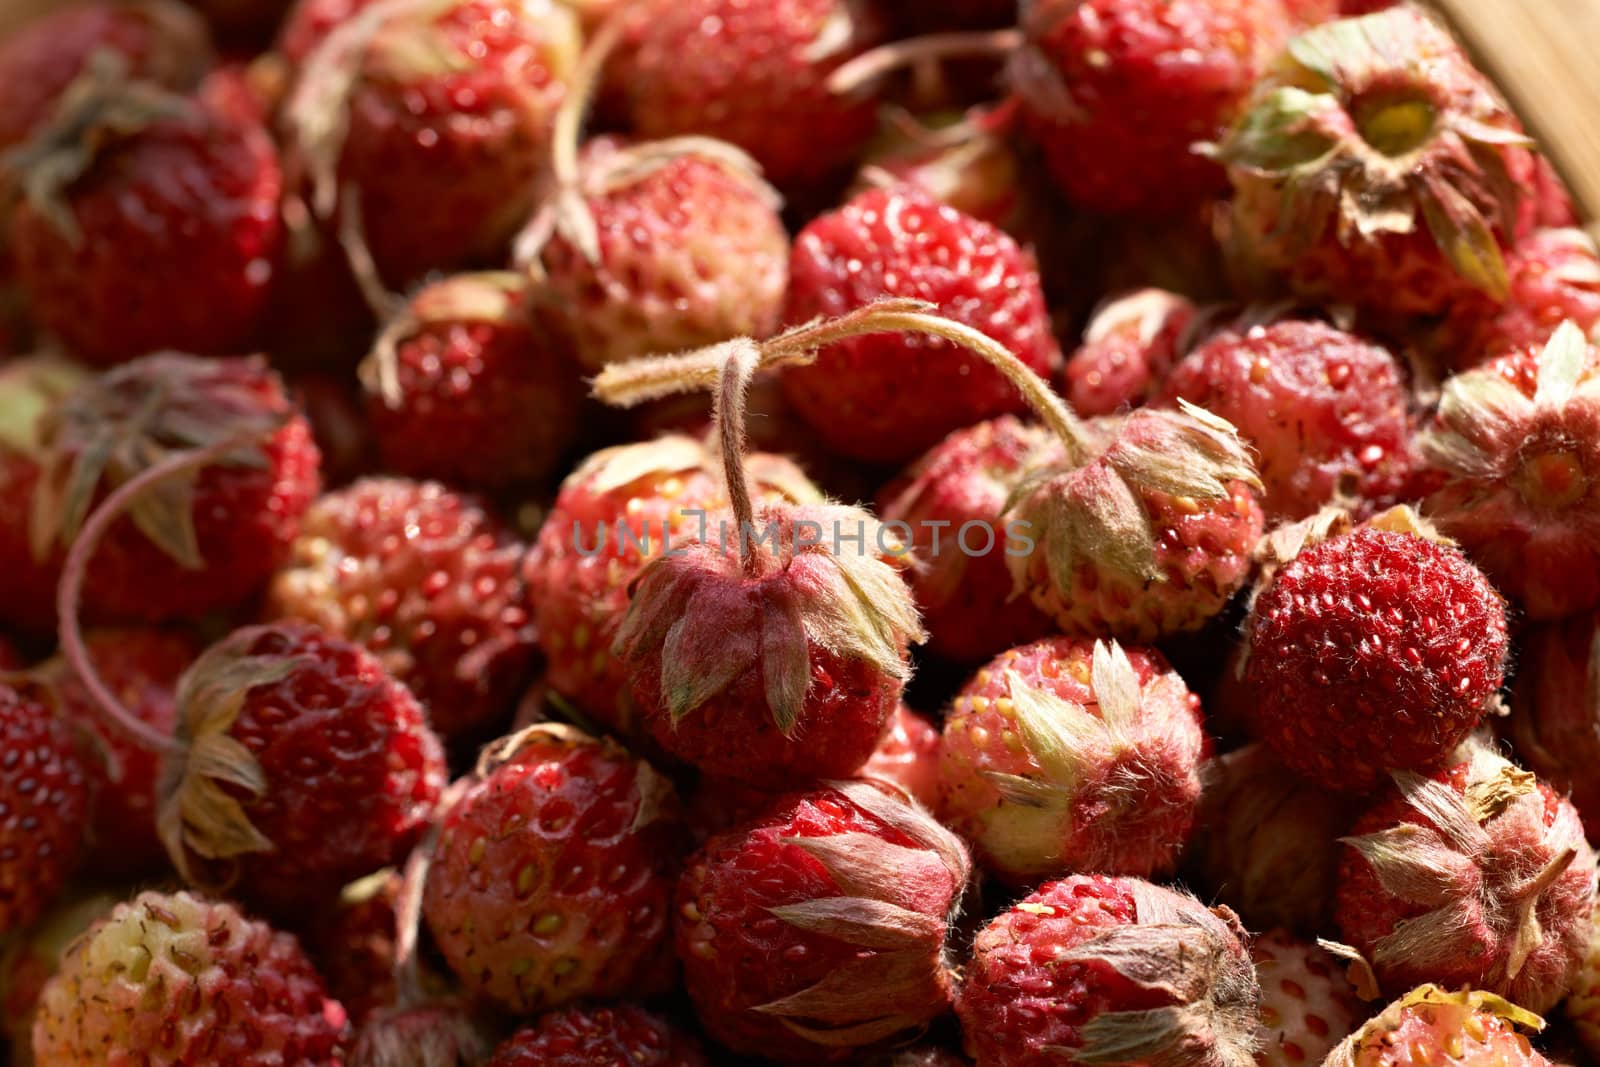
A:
{"points": [[44, 804], [1554, 277], [32, 959], [179, 979], [576, 907], [908, 756], [429, 123], [1267, 842], [160, 41], [300, 766], [1477, 877], [1327, 413], [889, 397], [1430, 1025], [853, 889], [1517, 443], [588, 1037], [619, 510], [1127, 350], [1118, 92], [1376, 166], [462, 387], [430, 583], [116, 258], [656, 247], [962, 583], [1092, 970], [1376, 650], [1307, 1005], [1070, 755], [752, 72], [196, 542], [141, 665], [1552, 723]]}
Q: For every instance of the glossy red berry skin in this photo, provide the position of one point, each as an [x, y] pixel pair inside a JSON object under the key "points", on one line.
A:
{"points": [[44, 805], [576, 905], [1327, 413], [752, 72], [591, 1037], [178, 239], [1373, 652], [889, 397]]}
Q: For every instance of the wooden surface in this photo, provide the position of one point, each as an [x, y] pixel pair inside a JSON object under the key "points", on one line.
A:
{"points": [[1543, 55]]}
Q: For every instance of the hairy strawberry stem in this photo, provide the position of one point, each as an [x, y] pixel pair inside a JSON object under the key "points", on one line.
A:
{"points": [[729, 416], [932, 48], [642, 380], [70, 590], [574, 110]]}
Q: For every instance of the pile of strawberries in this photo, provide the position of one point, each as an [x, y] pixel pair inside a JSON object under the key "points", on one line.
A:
{"points": [[660, 533]]}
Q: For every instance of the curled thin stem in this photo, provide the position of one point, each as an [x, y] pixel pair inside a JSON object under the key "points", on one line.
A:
{"points": [[574, 109], [69, 592], [735, 382], [937, 46]]}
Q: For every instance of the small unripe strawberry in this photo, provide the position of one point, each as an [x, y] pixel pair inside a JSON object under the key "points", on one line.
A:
{"points": [[853, 889], [1430, 1025], [1096, 970], [1307, 1004], [1479, 876], [908, 756], [1127, 350], [1069, 755], [577, 906]]}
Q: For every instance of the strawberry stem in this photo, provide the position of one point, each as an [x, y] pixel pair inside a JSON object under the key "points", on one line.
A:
{"points": [[932, 48], [574, 109], [729, 416], [69, 592]]}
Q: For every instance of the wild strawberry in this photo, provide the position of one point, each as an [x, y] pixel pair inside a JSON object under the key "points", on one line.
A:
{"points": [[179, 979], [908, 756], [1430, 1025], [1583, 996], [948, 505], [1479, 876], [1377, 167], [30, 960], [854, 889], [1552, 723], [1093, 969], [299, 766], [1554, 277], [1070, 755], [1376, 650], [439, 1033], [105, 240], [579, 906], [141, 665], [428, 581], [462, 387], [1267, 843], [44, 804], [195, 542], [1128, 348], [970, 164], [1327, 413], [619, 510], [585, 1037], [1118, 92], [751, 72], [889, 397], [1518, 444], [160, 41], [426, 125], [652, 247], [770, 654], [1307, 1005]]}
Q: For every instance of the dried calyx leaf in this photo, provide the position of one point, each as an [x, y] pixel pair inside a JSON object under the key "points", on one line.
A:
{"points": [[869, 67], [491, 297], [1448, 1013], [132, 418], [100, 109], [1354, 133], [1179, 948], [903, 972], [1449, 862], [207, 783]]}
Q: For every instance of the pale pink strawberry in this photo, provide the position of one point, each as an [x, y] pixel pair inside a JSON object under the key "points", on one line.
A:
{"points": [[1307, 1004], [1127, 350]]}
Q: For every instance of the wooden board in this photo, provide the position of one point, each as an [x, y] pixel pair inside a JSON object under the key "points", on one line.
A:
{"points": [[1542, 54]]}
